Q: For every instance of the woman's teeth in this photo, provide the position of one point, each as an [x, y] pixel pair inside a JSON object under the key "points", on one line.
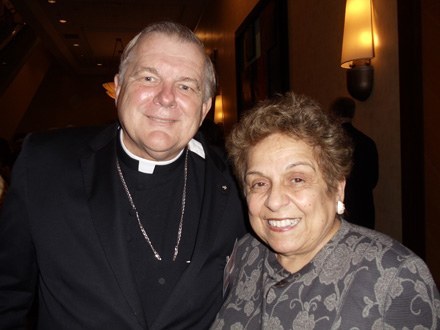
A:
{"points": [[284, 223]]}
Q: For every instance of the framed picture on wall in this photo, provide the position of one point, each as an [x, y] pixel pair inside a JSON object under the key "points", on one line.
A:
{"points": [[261, 44]]}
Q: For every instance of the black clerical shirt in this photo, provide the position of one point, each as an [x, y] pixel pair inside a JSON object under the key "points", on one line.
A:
{"points": [[158, 199]]}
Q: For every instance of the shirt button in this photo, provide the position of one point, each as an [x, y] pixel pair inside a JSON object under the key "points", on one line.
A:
{"points": [[282, 283], [161, 281]]}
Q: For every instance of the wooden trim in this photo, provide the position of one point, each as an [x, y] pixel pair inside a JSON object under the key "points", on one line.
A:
{"points": [[262, 54], [411, 125]]}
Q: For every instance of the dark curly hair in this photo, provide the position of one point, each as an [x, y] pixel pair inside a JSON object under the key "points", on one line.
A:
{"points": [[301, 118]]}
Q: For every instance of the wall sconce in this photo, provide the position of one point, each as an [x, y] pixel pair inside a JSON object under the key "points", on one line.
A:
{"points": [[218, 109], [358, 48]]}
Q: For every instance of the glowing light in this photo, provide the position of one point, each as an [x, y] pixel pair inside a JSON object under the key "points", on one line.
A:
{"points": [[358, 41]]}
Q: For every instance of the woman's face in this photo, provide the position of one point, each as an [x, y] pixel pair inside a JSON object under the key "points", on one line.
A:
{"points": [[290, 207]]}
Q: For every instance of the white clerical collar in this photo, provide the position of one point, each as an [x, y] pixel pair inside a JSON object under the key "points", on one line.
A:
{"points": [[147, 166]]}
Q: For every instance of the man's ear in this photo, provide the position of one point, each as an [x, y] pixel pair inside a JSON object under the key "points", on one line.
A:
{"points": [[206, 106], [117, 82]]}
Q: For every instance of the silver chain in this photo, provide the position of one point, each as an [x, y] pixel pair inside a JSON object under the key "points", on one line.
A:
{"points": [[144, 233]]}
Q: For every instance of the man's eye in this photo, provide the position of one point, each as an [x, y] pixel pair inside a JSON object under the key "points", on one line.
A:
{"points": [[186, 88], [149, 79]]}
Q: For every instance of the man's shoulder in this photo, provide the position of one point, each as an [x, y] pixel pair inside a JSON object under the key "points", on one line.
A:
{"points": [[214, 154], [70, 138], [358, 136], [64, 145]]}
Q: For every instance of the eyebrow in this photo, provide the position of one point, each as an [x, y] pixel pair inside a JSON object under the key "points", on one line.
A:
{"points": [[180, 79], [188, 79], [290, 166], [302, 163], [146, 69]]}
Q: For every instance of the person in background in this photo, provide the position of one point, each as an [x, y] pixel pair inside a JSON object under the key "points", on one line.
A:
{"points": [[359, 199], [5, 168], [128, 227], [305, 267], [3, 188]]}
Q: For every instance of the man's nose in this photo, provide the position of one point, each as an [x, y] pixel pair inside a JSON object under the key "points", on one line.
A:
{"points": [[166, 95]]}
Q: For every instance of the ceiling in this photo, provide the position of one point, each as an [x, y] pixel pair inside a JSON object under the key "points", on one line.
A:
{"points": [[96, 31]]}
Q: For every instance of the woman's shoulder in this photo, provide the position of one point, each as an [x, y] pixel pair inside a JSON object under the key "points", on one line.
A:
{"points": [[248, 240], [377, 245], [249, 244]]}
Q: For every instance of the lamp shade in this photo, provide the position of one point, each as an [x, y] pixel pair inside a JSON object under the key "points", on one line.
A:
{"points": [[358, 42]]}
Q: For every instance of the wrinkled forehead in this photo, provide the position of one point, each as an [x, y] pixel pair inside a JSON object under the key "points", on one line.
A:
{"points": [[163, 40]]}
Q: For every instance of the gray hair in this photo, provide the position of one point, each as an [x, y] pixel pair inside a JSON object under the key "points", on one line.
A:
{"points": [[185, 35]]}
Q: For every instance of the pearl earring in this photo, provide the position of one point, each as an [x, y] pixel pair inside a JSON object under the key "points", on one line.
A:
{"points": [[340, 208]]}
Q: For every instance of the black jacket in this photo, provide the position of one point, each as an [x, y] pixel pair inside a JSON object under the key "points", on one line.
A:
{"points": [[62, 242]]}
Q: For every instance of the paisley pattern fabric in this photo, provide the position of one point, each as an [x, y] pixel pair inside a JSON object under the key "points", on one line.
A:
{"points": [[361, 279]]}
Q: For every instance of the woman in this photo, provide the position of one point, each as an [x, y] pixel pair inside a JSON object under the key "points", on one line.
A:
{"points": [[305, 267]]}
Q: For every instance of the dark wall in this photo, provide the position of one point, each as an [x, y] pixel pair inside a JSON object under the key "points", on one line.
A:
{"points": [[65, 99]]}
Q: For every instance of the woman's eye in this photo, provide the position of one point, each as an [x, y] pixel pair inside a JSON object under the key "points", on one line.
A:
{"points": [[258, 185], [297, 180]]}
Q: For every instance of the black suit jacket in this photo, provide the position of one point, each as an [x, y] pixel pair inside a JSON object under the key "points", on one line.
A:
{"points": [[62, 242], [359, 199]]}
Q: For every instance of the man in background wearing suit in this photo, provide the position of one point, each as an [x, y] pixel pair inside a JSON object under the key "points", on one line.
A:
{"points": [[359, 200]]}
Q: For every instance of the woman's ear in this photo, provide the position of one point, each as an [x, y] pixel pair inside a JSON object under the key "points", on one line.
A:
{"points": [[341, 190], [340, 206]]}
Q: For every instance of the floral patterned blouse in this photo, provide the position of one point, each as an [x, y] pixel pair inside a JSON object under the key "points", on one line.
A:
{"points": [[361, 279]]}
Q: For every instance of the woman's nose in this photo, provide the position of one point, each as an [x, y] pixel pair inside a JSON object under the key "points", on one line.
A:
{"points": [[277, 198]]}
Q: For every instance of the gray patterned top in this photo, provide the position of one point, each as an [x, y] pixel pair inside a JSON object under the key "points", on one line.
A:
{"points": [[361, 279]]}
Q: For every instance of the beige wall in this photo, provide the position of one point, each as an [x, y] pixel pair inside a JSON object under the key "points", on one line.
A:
{"points": [[315, 37], [65, 99]]}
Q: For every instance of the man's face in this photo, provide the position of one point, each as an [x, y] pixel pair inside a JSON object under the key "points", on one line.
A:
{"points": [[160, 97]]}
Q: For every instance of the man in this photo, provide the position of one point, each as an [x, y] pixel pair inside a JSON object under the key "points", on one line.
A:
{"points": [[128, 228], [5, 167], [359, 200]]}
